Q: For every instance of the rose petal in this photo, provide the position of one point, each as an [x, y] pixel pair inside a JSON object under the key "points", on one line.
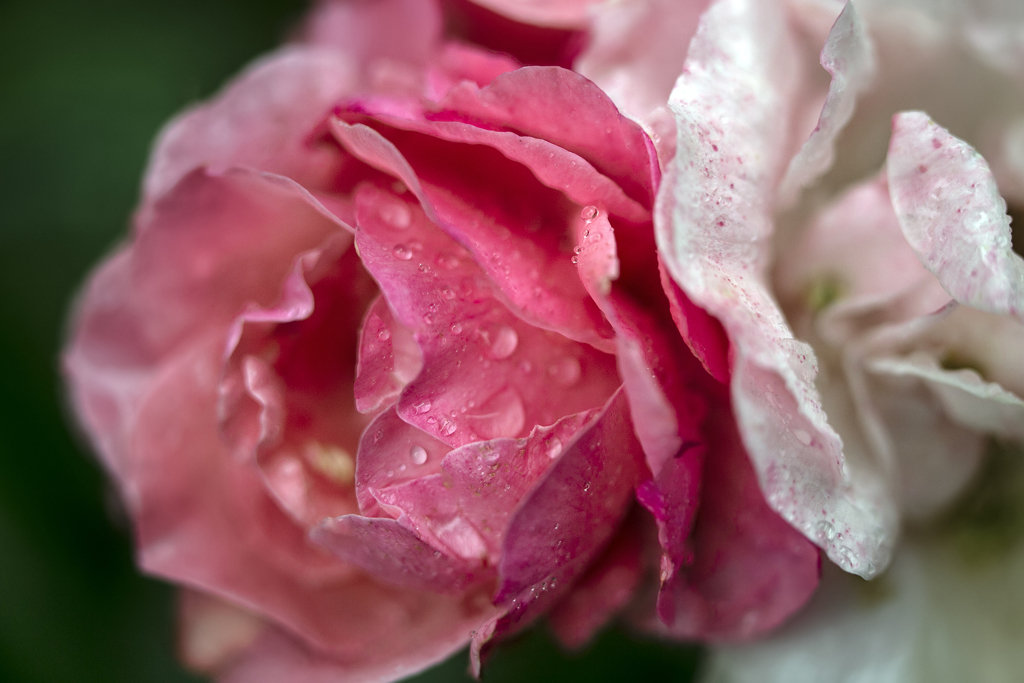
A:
{"points": [[637, 49], [375, 33], [605, 589], [487, 374], [564, 521], [388, 358], [953, 217], [393, 554], [714, 221], [527, 43], [554, 13], [750, 569], [530, 277], [849, 58], [260, 120], [467, 506]]}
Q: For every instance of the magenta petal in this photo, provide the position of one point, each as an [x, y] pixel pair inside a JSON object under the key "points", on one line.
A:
{"points": [[392, 553], [550, 13], [952, 215], [605, 589], [468, 505], [701, 331], [751, 569], [388, 358], [487, 374], [532, 278]]}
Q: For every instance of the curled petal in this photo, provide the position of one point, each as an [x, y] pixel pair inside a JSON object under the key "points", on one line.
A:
{"points": [[713, 223], [849, 58], [953, 217]]}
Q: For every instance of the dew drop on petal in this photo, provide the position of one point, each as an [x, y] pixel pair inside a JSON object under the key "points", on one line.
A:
{"points": [[505, 342], [589, 213], [402, 252], [802, 436], [577, 250], [422, 406], [575, 259], [448, 428], [456, 328], [384, 335], [447, 292], [418, 454], [566, 371], [447, 261], [396, 214], [428, 319]]}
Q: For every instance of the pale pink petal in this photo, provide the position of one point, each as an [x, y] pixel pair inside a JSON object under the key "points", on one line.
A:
{"points": [[967, 398], [553, 13], [750, 569], [606, 588], [487, 373], [539, 285], [953, 217], [849, 58], [637, 49], [459, 62], [261, 120], [713, 224], [388, 358], [211, 632]]}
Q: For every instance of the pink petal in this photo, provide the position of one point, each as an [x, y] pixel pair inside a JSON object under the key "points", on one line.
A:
{"points": [[375, 33], [389, 454], [849, 58], [530, 276], [391, 553], [261, 120], [566, 519], [637, 49], [543, 102], [750, 569], [415, 641], [713, 224], [388, 358], [605, 589], [527, 43], [467, 506], [487, 374], [553, 13], [701, 331], [459, 62], [953, 217]]}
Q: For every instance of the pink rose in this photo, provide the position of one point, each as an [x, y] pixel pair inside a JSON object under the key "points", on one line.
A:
{"points": [[391, 352]]}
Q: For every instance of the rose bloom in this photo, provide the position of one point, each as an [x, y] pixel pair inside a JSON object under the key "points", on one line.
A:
{"points": [[443, 318]]}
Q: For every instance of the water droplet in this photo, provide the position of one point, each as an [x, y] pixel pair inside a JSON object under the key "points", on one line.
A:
{"points": [[586, 233], [589, 213], [396, 214], [391, 473], [566, 371], [802, 436], [554, 447], [378, 436], [456, 328], [428, 319], [504, 343], [416, 245], [502, 415], [447, 261], [448, 428], [418, 454], [402, 252], [384, 335], [577, 250], [826, 531], [575, 259], [447, 293], [422, 406], [431, 420]]}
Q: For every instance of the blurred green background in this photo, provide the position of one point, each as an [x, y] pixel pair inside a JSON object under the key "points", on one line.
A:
{"points": [[84, 86]]}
